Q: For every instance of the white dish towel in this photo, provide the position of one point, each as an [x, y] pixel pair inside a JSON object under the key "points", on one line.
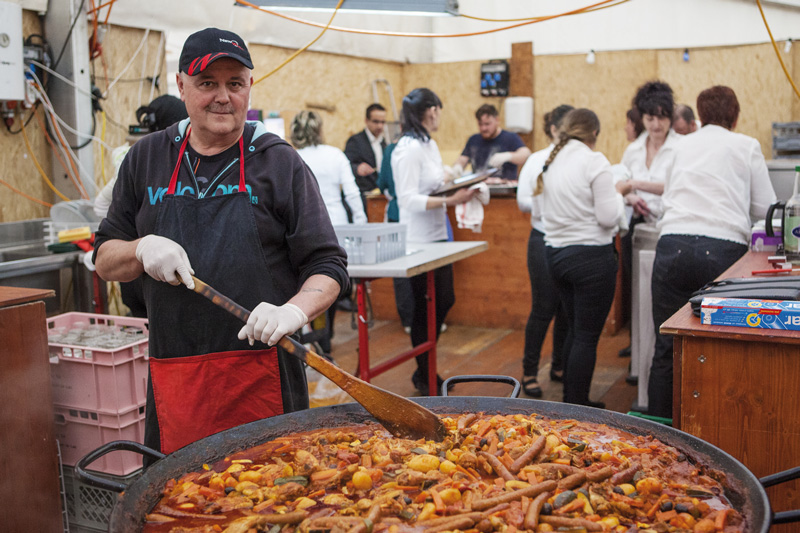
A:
{"points": [[470, 215]]}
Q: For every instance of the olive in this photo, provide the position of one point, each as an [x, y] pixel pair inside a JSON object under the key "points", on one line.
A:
{"points": [[666, 506], [683, 508], [546, 509], [564, 498], [681, 458], [228, 490], [633, 494], [619, 490], [484, 442], [587, 462], [407, 500]]}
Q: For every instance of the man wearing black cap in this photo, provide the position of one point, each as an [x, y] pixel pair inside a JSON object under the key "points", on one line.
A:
{"points": [[220, 198]]}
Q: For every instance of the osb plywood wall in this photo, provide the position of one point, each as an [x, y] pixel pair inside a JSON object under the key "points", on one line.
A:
{"points": [[131, 88], [125, 96], [17, 165], [338, 87]]}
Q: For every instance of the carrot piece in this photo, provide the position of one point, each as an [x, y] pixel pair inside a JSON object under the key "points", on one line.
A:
{"points": [[483, 428], [666, 516], [366, 460], [561, 461], [575, 505], [722, 516], [656, 505], [467, 472], [322, 475], [437, 499]]}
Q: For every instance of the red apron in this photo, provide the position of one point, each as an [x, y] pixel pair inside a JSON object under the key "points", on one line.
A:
{"points": [[203, 379]]}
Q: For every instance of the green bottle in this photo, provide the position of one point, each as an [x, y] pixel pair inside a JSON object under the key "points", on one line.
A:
{"points": [[791, 222]]}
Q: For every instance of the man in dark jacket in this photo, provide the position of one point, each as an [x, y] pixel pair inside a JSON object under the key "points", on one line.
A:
{"points": [[219, 197], [365, 149]]}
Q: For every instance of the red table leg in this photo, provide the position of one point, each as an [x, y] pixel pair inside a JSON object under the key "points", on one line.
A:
{"points": [[363, 331], [431, 297]]}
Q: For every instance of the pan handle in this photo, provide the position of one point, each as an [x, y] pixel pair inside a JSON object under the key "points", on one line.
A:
{"points": [[118, 445], [783, 517], [485, 379]]}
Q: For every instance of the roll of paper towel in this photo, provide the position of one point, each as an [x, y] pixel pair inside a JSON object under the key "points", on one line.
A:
{"points": [[519, 114]]}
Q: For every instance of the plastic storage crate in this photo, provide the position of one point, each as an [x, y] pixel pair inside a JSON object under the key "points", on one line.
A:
{"points": [[80, 431], [93, 378], [372, 243], [89, 508]]}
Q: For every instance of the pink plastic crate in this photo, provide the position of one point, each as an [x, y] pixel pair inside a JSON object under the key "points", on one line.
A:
{"points": [[80, 431], [93, 378]]}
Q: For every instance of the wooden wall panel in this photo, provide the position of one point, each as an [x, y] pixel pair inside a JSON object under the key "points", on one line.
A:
{"points": [[606, 87], [753, 72], [18, 168], [340, 83]]}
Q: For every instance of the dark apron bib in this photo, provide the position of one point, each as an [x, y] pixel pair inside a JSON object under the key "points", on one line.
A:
{"points": [[202, 378]]}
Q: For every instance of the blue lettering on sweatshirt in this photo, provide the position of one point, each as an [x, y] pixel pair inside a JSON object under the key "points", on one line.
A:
{"points": [[158, 195]]}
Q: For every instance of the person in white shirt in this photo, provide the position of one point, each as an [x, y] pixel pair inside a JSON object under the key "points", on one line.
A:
{"points": [[545, 302], [719, 184], [417, 170], [581, 211], [330, 166], [649, 160]]}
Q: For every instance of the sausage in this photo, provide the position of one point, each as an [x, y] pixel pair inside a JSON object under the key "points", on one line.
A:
{"points": [[570, 482], [532, 516], [600, 475], [529, 455], [453, 522], [560, 521], [498, 467], [623, 476], [531, 491]]}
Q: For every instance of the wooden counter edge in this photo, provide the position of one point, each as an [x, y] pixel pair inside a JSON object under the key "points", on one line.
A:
{"points": [[20, 295]]}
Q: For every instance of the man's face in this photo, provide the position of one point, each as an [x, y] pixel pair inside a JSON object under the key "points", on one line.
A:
{"points": [[683, 127], [376, 122], [488, 126], [217, 99]]}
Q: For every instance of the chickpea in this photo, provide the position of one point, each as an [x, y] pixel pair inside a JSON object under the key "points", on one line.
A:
{"points": [[450, 496], [447, 467], [705, 526], [684, 520], [362, 480], [424, 463], [428, 511], [627, 488], [648, 485], [250, 475]]}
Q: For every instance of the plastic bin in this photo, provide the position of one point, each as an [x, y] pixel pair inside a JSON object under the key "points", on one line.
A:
{"points": [[89, 508], [98, 379], [372, 243], [80, 431]]}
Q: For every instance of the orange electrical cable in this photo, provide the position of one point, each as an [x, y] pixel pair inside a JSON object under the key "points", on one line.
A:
{"points": [[777, 52], [303, 49], [402, 34], [75, 177], [31, 198], [37, 165], [52, 145]]}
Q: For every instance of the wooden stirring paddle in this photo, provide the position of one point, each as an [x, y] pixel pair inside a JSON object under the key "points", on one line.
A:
{"points": [[402, 417]]}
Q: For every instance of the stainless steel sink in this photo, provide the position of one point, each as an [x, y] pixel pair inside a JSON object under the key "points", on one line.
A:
{"points": [[23, 252]]}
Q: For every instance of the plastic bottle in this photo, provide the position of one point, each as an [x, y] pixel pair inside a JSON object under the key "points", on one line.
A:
{"points": [[791, 222]]}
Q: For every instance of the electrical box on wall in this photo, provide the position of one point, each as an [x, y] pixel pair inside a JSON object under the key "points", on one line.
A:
{"points": [[494, 78], [12, 84]]}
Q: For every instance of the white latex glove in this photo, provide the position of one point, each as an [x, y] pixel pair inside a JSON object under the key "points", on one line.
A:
{"points": [[87, 261], [499, 159], [269, 323], [164, 258]]}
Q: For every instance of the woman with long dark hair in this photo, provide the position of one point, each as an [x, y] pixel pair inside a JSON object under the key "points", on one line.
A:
{"points": [[545, 303], [581, 213], [418, 171]]}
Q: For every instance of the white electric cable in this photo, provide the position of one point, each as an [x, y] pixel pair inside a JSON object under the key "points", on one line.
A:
{"points": [[159, 54], [139, 49], [62, 78], [142, 70]]}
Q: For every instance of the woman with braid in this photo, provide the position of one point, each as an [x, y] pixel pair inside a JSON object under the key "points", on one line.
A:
{"points": [[581, 212]]}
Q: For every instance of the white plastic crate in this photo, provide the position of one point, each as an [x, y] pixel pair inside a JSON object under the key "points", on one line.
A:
{"points": [[80, 431], [372, 243], [89, 508], [110, 379]]}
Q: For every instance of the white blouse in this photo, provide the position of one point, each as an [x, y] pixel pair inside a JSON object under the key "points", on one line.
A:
{"points": [[528, 176], [334, 174], [719, 185], [580, 204], [417, 171], [635, 158]]}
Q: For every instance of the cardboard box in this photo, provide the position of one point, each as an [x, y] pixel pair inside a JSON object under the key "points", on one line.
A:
{"points": [[764, 314]]}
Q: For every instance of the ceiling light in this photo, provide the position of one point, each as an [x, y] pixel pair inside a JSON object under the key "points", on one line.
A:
{"points": [[787, 46], [590, 57], [402, 7]]}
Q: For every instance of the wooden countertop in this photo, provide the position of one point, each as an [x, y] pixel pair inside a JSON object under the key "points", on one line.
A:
{"points": [[684, 322]]}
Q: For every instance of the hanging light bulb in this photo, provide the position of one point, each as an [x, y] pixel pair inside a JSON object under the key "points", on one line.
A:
{"points": [[590, 57], [685, 55], [788, 45]]}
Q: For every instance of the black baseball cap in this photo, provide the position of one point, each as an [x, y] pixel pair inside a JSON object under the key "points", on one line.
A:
{"points": [[206, 46]]}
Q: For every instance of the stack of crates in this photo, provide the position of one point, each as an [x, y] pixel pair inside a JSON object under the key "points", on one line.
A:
{"points": [[372, 243], [785, 140], [98, 369]]}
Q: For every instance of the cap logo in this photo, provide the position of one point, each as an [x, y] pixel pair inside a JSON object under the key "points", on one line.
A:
{"points": [[233, 42], [200, 63]]}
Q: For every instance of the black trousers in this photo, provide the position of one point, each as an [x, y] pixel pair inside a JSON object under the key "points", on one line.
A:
{"points": [[445, 298], [545, 305], [586, 278], [683, 264]]}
